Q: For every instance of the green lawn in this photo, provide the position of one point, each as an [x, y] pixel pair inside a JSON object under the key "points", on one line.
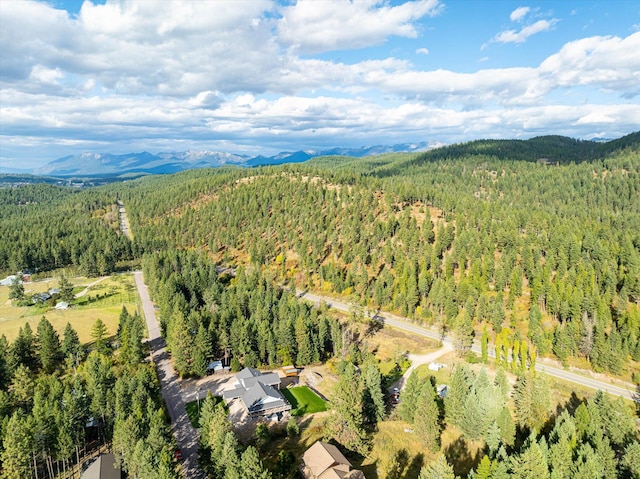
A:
{"points": [[193, 410], [304, 401]]}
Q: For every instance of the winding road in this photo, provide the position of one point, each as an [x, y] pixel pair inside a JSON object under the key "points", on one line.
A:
{"points": [[627, 391]]}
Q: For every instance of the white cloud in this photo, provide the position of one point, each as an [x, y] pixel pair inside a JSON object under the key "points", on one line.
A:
{"points": [[320, 26], [513, 36], [519, 13], [132, 75]]}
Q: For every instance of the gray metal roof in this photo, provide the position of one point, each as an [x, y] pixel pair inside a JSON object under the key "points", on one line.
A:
{"points": [[102, 468]]}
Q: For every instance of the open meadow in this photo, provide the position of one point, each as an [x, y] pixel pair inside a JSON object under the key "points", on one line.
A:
{"points": [[100, 298]]}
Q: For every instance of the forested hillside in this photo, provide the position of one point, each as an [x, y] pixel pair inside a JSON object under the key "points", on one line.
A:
{"points": [[43, 227], [543, 254], [539, 258]]}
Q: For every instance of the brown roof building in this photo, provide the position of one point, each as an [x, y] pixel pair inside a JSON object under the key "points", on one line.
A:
{"points": [[325, 461]]}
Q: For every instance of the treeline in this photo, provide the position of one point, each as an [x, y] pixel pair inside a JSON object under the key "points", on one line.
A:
{"points": [[43, 227], [245, 317], [596, 438], [550, 253], [57, 406]]}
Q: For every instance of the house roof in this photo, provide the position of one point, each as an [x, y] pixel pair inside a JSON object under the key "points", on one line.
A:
{"points": [[269, 379], [325, 461], [261, 398], [102, 468], [247, 373]]}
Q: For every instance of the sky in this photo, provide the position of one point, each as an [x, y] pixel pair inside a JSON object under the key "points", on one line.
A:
{"points": [[261, 76]]}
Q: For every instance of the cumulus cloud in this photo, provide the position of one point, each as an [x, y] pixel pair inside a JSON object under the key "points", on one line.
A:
{"points": [[129, 75], [313, 26], [519, 13], [520, 36]]}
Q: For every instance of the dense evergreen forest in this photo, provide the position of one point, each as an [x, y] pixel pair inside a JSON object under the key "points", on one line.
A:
{"points": [[44, 227], [59, 406], [532, 246], [548, 255]]}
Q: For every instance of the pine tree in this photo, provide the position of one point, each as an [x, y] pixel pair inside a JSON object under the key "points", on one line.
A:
{"points": [[461, 382], [251, 466], [16, 289], [71, 346], [631, 459], [409, 395], [17, 447], [23, 350], [531, 463], [374, 401], [484, 469], [346, 424], [99, 335], [66, 289], [426, 419], [532, 401], [50, 351], [437, 469]]}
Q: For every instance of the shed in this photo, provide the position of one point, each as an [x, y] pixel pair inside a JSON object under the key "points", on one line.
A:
{"points": [[436, 366], [289, 371], [103, 468]]}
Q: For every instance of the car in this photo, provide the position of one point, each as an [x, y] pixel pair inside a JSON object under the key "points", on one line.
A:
{"points": [[396, 390], [178, 455]]}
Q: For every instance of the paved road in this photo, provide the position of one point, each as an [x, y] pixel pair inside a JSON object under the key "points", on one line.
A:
{"points": [[124, 222], [404, 324], [186, 436]]}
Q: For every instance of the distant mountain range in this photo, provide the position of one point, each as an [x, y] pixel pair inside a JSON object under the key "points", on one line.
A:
{"points": [[106, 164], [109, 167]]}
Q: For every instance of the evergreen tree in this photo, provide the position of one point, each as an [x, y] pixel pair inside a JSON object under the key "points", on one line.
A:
{"points": [[23, 350], [374, 397], [50, 351], [531, 463], [16, 289], [346, 424], [71, 346], [461, 382], [251, 466], [99, 335], [439, 468], [532, 400], [66, 289], [409, 395], [17, 447], [631, 460], [426, 419]]}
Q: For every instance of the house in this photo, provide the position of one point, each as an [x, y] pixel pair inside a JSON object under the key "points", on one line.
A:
{"points": [[62, 305], [103, 468], [436, 366], [8, 281], [258, 392], [325, 461], [41, 297], [53, 291]]}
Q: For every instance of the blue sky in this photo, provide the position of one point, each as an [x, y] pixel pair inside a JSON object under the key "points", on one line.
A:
{"points": [[261, 76]]}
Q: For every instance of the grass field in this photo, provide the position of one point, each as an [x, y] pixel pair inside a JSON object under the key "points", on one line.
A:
{"points": [[104, 300], [304, 401]]}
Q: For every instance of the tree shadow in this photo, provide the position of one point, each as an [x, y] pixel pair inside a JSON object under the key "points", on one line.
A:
{"points": [[400, 463], [460, 457]]}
